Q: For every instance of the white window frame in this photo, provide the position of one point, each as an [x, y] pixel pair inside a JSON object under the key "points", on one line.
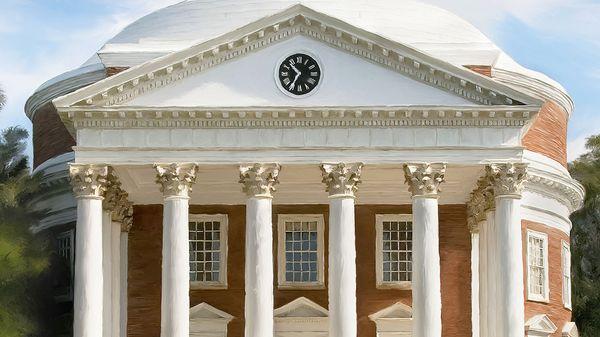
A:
{"points": [[379, 219], [531, 296], [224, 226], [281, 259], [567, 296]]}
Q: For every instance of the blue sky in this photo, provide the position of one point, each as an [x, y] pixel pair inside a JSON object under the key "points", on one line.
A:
{"points": [[43, 38]]}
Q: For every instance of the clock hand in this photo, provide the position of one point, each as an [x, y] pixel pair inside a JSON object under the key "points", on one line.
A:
{"points": [[295, 69], [294, 82]]}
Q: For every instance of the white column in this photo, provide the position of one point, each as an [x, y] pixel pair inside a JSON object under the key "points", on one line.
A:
{"points": [[175, 183], [507, 181], [124, 242], [88, 186], [492, 281], [341, 182], [107, 273], [483, 289], [424, 181], [115, 278], [258, 182], [475, 283]]}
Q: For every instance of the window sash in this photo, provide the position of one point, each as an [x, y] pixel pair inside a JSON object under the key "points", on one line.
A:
{"points": [[393, 250], [566, 271], [300, 250], [537, 266], [208, 250]]}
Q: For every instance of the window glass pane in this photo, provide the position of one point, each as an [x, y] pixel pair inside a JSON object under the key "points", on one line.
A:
{"points": [[301, 251], [205, 251], [537, 268], [396, 251]]}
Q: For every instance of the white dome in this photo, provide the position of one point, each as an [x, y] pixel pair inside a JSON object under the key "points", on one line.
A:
{"points": [[425, 27]]}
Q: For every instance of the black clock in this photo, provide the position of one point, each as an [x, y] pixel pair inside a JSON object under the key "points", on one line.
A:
{"points": [[299, 74]]}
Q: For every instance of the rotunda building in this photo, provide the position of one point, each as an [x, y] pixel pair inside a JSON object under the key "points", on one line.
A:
{"points": [[279, 168]]}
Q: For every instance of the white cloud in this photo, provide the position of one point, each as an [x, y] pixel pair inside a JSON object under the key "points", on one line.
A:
{"points": [[576, 146]]}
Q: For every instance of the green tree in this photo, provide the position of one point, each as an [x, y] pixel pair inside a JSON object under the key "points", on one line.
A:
{"points": [[22, 255], [585, 238]]}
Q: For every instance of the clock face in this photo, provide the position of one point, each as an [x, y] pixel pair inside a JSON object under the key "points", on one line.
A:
{"points": [[299, 74]]}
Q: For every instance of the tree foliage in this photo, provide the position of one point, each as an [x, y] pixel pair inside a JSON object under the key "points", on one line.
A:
{"points": [[585, 242], [22, 255]]}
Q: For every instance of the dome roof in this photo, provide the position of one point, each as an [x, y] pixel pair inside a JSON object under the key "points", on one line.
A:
{"points": [[422, 26]]}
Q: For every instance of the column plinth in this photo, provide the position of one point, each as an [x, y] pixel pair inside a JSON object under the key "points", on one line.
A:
{"points": [[258, 182], [175, 182], [424, 181], [89, 184], [341, 182], [507, 181]]}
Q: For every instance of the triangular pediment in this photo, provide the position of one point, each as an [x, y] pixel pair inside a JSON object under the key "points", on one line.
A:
{"points": [[540, 324], [207, 311], [301, 307], [396, 310], [399, 70], [570, 330]]}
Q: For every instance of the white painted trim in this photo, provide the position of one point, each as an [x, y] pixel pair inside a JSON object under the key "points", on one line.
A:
{"points": [[124, 265], [545, 298], [286, 309], [379, 219], [281, 259], [309, 155], [297, 19], [540, 326], [566, 272], [396, 325], [570, 330], [208, 326], [224, 227], [475, 261]]}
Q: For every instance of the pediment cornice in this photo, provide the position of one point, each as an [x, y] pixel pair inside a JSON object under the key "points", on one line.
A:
{"points": [[297, 20]]}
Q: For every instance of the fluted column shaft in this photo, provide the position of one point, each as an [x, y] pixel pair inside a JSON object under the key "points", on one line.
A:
{"points": [[258, 181], [341, 182], [507, 181], [176, 182], [88, 186], [424, 181]]}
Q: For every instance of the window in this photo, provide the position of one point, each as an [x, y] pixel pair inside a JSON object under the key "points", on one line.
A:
{"points": [[208, 251], [300, 250], [394, 250], [566, 271], [537, 263], [65, 250]]}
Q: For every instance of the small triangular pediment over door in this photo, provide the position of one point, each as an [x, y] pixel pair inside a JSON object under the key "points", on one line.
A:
{"points": [[301, 318]]}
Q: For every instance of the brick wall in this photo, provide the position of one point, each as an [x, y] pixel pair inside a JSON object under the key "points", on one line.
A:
{"points": [[50, 136], [548, 134], [554, 309], [145, 275]]}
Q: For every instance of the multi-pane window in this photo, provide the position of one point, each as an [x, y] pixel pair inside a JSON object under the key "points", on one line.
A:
{"points": [[566, 271], [300, 253], [208, 250], [65, 250], [537, 261], [394, 250]]}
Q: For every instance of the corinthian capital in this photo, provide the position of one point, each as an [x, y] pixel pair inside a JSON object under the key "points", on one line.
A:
{"points": [[176, 179], [117, 201], [88, 180], [259, 180], [507, 178], [341, 179], [424, 179]]}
